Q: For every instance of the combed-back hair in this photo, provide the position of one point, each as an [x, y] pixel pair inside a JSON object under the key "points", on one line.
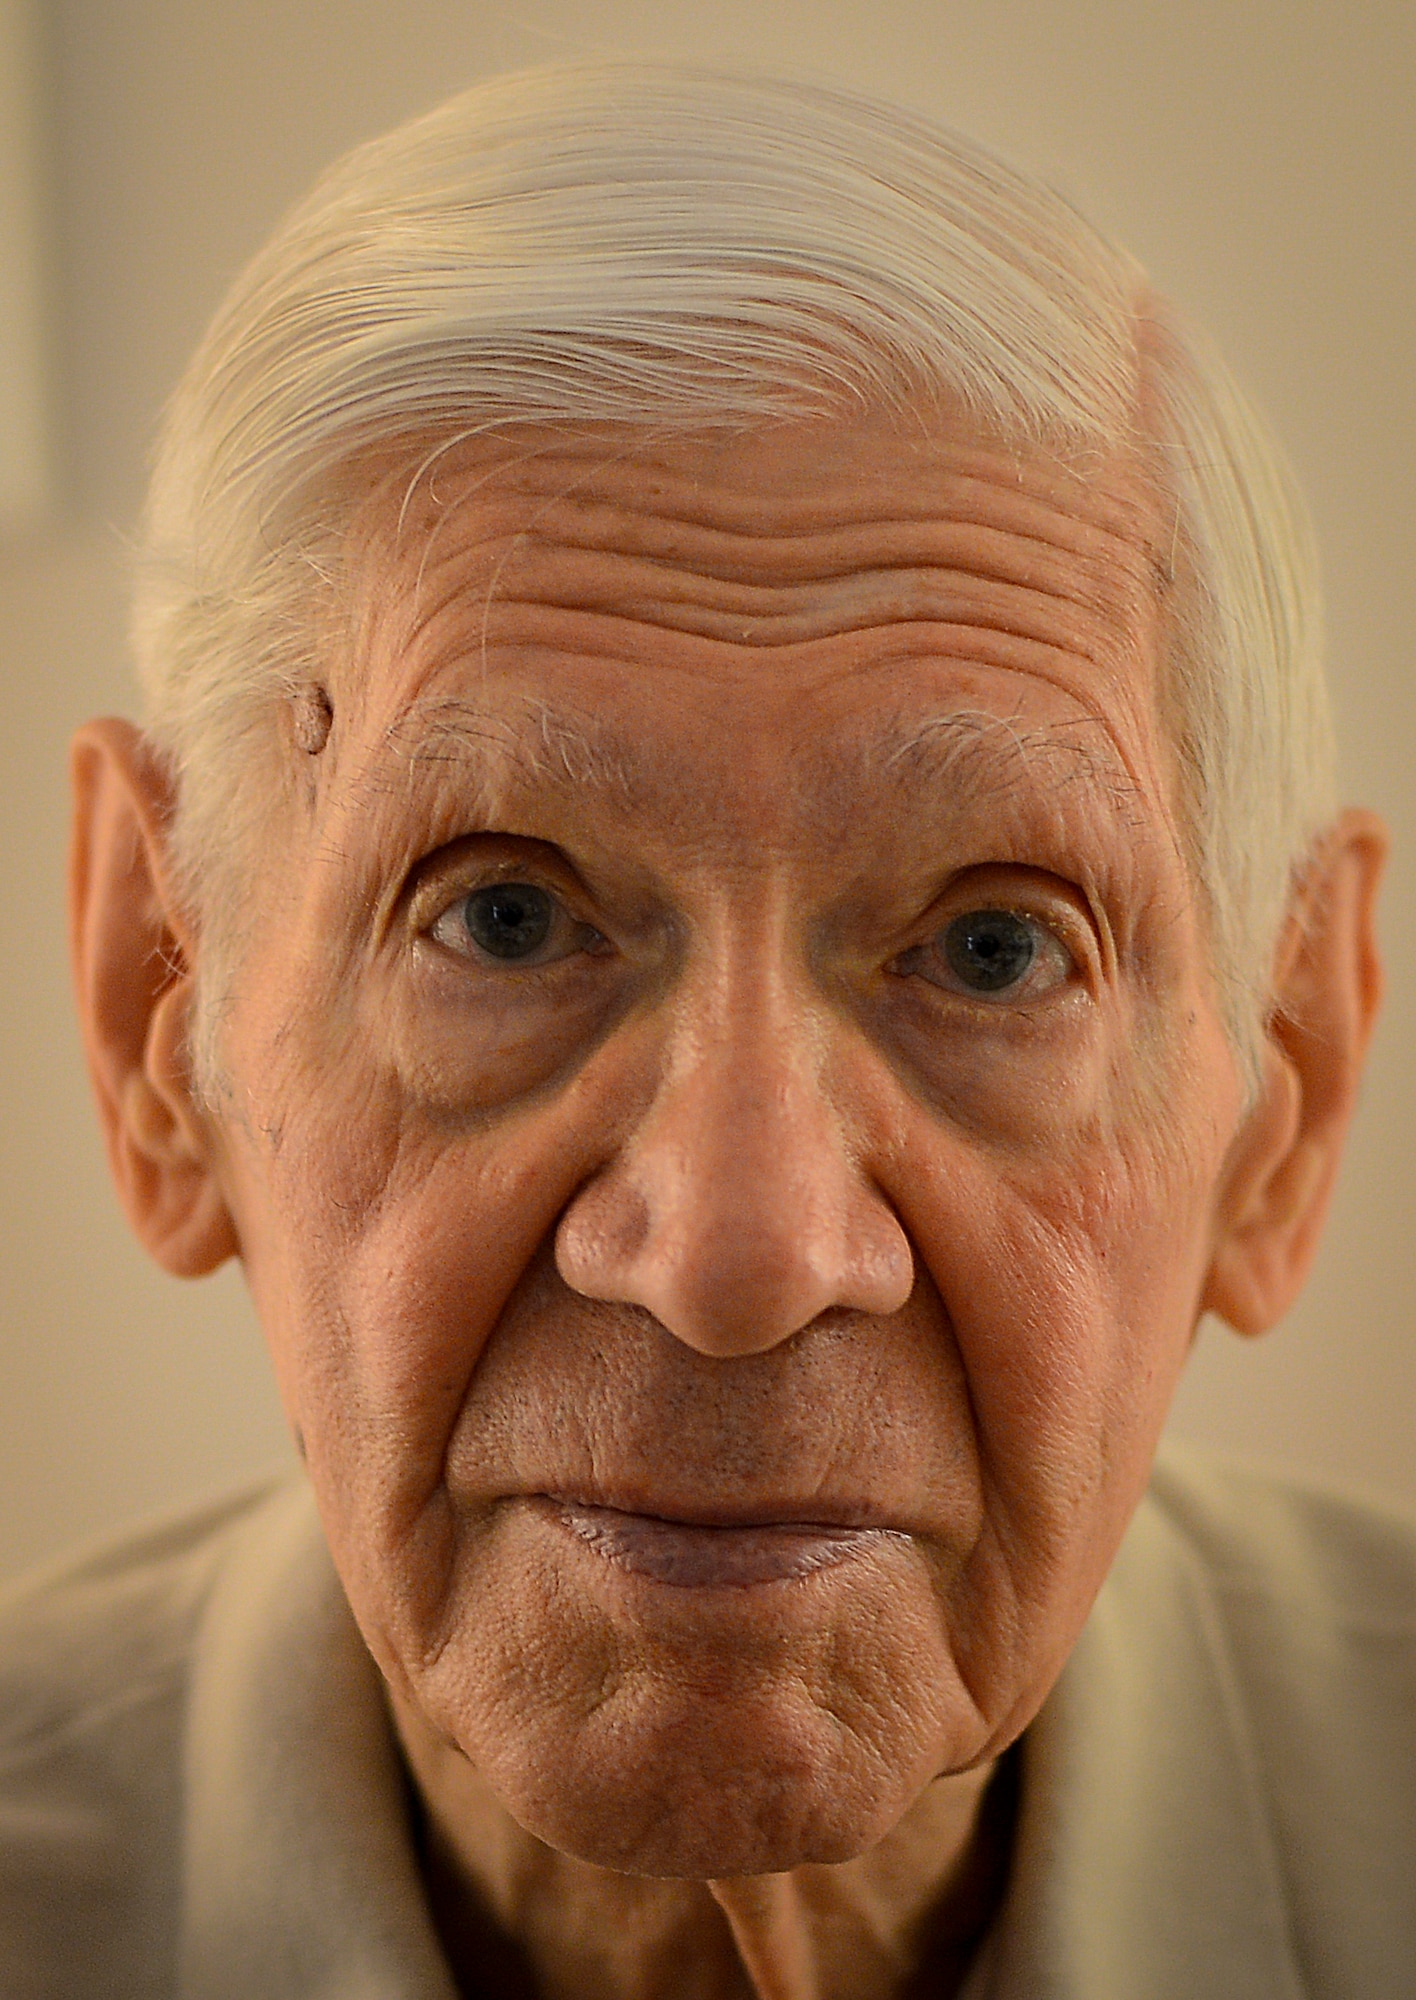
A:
{"points": [[678, 247]]}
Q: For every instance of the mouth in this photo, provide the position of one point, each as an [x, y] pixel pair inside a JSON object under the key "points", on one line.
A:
{"points": [[699, 1555]]}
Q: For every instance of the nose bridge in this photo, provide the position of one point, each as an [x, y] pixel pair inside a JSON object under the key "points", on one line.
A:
{"points": [[738, 1211], [749, 1050], [745, 1081]]}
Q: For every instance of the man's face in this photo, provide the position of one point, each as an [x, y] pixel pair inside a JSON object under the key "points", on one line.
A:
{"points": [[727, 1101]]}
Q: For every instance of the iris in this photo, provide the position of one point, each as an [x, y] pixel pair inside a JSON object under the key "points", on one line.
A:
{"points": [[989, 949], [508, 919]]}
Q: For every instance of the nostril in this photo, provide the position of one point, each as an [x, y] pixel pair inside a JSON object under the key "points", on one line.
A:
{"points": [[601, 1236]]}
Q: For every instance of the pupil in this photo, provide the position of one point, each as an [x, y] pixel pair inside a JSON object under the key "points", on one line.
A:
{"points": [[989, 949], [509, 921]]}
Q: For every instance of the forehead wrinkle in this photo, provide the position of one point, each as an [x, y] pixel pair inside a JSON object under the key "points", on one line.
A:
{"points": [[673, 598], [1010, 539], [976, 582], [588, 558], [505, 529], [986, 517], [632, 486]]}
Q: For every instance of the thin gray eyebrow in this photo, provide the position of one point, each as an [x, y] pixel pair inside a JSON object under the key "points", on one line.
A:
{"points": [[560, 747], [974, 754], [969, 752]]}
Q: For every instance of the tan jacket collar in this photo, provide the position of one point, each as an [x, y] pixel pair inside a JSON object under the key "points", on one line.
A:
{"points": [[1145, 1862]]}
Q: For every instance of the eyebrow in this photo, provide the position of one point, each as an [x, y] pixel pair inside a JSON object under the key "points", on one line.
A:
{"points": [[559, 747], [973, 754]]}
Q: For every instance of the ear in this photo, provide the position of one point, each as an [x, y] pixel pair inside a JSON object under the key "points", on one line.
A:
{"points": [[1282, 1166], [133, 958]]}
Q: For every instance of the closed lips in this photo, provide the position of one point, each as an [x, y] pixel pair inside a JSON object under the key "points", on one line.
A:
{"points": [[693, 1554]]}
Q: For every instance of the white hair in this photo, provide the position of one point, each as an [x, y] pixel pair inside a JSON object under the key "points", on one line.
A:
{"points": [[661, 245]]}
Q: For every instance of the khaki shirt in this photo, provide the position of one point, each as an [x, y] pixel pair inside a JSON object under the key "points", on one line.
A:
{"points": [[200, 1797]]}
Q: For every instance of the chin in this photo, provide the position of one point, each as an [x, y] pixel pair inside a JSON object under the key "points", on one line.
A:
{"points": [[711, 1798], [661, 1836], [700, 1733]]}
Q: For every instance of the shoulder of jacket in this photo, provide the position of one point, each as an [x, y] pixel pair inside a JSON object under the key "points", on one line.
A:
{"points": [[107, 1628], [1340, 1559]]}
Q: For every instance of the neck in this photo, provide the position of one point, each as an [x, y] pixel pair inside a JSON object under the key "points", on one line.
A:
{"points": [[521, 1921]]}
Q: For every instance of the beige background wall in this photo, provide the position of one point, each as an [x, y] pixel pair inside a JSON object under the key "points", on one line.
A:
{"points": [[1260, 155]]}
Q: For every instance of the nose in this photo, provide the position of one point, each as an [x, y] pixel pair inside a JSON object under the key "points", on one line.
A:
{"points": [[737, 1213]]}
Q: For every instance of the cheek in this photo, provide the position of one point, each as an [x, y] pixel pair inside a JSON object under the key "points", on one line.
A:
{"points": [[384, 1273], [390, 1250], [1036, 1179], [388, 1303], [1087, 1287], [1071, 1276]]}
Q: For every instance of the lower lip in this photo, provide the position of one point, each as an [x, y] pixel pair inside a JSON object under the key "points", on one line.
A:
{"points": [[690, 1557]]}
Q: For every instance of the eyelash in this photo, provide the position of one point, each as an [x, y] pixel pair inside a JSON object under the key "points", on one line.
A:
{"points": [[1048, 945]]}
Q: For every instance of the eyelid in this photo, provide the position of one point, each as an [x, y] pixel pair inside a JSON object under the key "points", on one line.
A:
{"points": [[445, 888], [562, 941], [913, 962], [447, 876], [1055, 908], [1053, 904]]}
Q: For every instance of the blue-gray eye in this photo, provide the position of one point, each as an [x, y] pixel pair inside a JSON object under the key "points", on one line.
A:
{"points": [[508, 919], [988, 950]]}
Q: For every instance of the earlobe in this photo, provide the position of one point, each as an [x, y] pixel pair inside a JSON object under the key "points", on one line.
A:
{"points": [[1283, 1164], [133, 960]]}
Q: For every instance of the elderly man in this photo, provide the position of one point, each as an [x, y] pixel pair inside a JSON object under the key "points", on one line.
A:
{"points": [[730, 899]]}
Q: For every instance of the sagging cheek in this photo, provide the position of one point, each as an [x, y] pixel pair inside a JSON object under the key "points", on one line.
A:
{"points": [[1071, 1276], [399, 1245], [1071, 1337], [384, 1221]]}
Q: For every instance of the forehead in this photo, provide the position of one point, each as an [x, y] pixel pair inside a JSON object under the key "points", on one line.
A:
{"points": [[834, 606]]}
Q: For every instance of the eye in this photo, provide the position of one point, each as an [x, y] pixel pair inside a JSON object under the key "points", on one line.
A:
{"points": [[514, 922], [993, 952]]}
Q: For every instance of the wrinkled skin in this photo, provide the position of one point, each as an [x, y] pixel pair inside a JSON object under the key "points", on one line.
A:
{"points": [[733, 1203], [732, 1217]]}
